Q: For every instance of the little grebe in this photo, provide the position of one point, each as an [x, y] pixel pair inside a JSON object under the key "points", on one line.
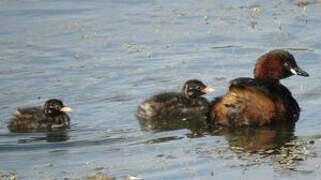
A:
{"points": [[51, 116], [262, 100], [176, 105]]}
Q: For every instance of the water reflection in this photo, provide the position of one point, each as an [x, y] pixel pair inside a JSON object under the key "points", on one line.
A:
{"points": [[276, 146], [163, 139], [256, 139], [54, 136], [249, 139], [198, 124]]}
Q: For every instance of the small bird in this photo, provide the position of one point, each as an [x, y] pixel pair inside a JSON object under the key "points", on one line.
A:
{"points": [[52, 116], [262, 100], [171, 105]]}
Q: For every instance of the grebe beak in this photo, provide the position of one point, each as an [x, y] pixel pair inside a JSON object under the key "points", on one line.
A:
{"points": [[299, 71], [207, 90], [66, 109]]}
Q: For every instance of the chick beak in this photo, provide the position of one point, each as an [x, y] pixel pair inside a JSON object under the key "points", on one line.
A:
{"points": [[207, 90], [298, 71], [66, 109]]}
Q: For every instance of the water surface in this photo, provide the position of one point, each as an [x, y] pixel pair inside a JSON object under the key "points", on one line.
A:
{"points": [[102, 58]]}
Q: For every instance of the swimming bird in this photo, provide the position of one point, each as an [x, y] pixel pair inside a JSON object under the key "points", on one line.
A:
{"points": [[170, 105], [50, 117], [261, 100]]}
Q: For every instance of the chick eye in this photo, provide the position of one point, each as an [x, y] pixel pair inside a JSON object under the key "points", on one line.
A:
{"points": [[286, 64]]}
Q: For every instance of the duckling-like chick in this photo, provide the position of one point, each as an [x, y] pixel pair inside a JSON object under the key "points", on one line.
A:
{"points": [[171, 105], [50, 117]]}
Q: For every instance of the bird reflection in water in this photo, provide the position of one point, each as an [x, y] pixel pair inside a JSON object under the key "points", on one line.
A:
{"points": [[274, 145], [53, 136], [197, 124], [256, 139]]}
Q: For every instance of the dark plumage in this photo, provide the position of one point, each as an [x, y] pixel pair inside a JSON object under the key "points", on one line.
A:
{"points": [[262, 100], [51, 116], [176, 105]]}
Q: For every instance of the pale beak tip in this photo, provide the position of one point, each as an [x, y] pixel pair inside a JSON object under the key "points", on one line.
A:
{"points": [[299, 71], [293, 71], [66, 109], [208, 90]]}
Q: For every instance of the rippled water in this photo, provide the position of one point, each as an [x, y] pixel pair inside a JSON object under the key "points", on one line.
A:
{"points": [[102, 58]]}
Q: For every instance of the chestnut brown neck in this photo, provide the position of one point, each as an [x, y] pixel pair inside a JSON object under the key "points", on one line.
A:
{"points": [[268, 68]]}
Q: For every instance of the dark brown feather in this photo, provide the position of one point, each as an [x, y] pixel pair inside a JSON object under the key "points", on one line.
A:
{"points": [[172, 105], [255, 104], [34, 119]]}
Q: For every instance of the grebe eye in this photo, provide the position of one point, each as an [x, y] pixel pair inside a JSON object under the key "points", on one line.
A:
{"points": [[286, 64]]}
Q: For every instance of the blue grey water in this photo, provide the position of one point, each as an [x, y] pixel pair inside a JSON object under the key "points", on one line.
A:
{"points": [[102, 58]]}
